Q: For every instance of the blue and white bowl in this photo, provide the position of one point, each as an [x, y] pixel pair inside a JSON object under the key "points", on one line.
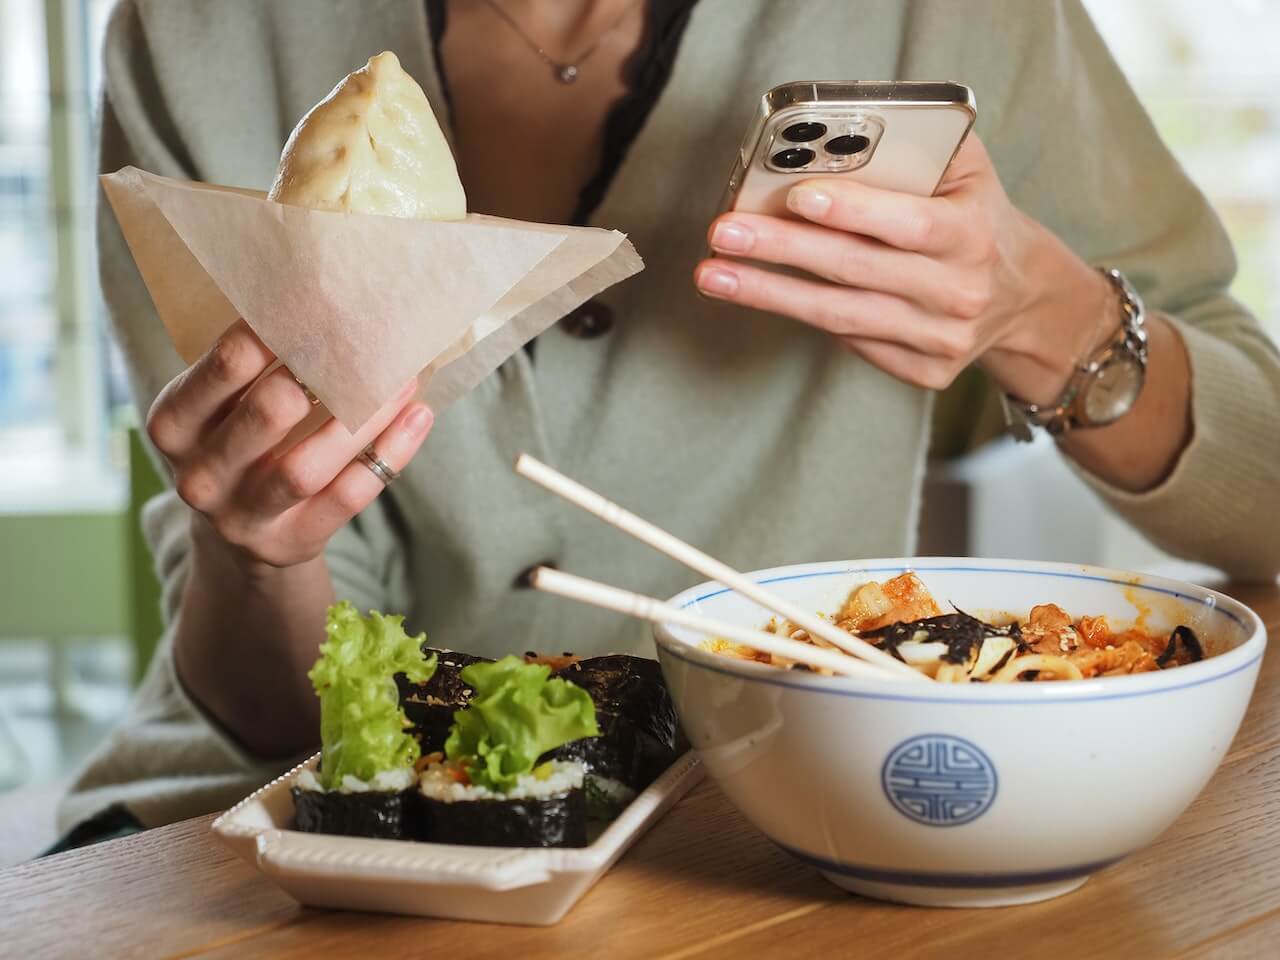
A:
{"points": [[968, 794]]}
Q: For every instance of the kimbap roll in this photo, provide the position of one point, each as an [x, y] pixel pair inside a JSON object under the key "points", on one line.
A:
{"points": [[367, 759], [492, 785], [546, 807], [637, 722], [430, 705], [355, 808]]}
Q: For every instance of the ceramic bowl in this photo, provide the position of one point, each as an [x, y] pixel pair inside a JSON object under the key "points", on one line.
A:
{"points": [[967, 794]]}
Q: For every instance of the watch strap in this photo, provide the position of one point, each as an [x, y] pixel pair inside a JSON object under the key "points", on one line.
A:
{"points": [[1063, 414]]}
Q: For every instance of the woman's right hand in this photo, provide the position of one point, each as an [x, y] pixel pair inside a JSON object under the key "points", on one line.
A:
{"points": [[220, 439]]}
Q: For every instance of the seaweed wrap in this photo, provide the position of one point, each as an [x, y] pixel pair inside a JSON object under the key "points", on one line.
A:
{"points": [[546, 807], [637, 722], [490, 787], [366, 777], [355, 809], [630, 687], [431, 704]]}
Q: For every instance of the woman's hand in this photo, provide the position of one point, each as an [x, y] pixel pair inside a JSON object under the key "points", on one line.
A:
{"points": [[257, 584], [923, 286], [220, 438]]}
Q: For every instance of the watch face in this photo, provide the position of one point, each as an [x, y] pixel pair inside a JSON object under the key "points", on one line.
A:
{"points": [[1113, 390]]}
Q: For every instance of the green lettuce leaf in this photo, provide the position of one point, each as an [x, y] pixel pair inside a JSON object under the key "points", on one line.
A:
{"points": [[362, 728], [516, 715]]}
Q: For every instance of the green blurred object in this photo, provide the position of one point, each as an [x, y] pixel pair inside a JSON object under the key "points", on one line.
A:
{"points": [[146, 624], [63, 578], [62, 575]]}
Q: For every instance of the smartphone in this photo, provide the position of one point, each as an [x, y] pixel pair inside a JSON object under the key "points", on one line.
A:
{"points": [[892, 135]]}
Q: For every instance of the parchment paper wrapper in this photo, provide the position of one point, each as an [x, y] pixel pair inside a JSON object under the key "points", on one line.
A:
{"points": [[353, 304]]}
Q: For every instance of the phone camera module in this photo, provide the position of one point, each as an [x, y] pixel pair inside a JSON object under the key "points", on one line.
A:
{"points": [[793, 158], [846, 146], [804, 132]]}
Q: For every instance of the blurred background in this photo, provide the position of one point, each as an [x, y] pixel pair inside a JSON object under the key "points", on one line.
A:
{"points": [[77, 602]]}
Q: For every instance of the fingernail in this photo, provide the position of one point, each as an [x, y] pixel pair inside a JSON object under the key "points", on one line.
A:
{"points": [[732, 237], [419, 419], [809, 202], [715, 282]]}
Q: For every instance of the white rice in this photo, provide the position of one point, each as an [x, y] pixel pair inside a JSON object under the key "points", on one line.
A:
{"points": [[385, 781], [436, 784]]}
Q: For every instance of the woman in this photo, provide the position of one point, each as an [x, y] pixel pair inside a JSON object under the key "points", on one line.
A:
{"points": [[788, 431]]}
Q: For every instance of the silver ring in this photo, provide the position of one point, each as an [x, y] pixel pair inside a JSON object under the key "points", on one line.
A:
{"points": [[380, 468]]}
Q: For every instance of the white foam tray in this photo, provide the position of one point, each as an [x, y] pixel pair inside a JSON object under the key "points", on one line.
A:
{"points": [[491, 884]]}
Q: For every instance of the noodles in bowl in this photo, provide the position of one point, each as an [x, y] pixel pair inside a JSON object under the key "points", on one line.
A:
{"points": [[901, 617], [948, 793]]}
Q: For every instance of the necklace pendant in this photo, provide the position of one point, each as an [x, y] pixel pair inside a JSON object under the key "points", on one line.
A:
{"points": [[566, 73]]}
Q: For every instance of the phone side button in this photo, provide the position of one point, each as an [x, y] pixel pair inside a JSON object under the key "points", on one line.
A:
{"points": [[592, 319]]}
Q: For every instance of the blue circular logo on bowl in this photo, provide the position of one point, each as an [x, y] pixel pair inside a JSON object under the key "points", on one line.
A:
{"points": [[939, 780]]}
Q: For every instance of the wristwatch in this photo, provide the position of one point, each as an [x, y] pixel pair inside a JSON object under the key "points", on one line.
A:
{"points": [[1103, 388]]}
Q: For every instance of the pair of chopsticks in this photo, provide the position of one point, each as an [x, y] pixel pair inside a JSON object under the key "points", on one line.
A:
{"points": [[859, 659]]}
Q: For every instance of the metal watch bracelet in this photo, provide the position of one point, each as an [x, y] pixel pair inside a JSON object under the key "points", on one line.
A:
{"points": [[1066, 413]]}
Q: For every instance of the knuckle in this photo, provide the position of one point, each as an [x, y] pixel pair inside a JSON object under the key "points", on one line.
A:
{"points": [[983, 254], [937, 376], [349, 500], [850, 265], [264, 412], [750, 293], [162, 427], [298, 480], [935, 342], [197, 488], [982, 237], [969, 301], [782, 245], [920, 231], [293, 399], [229, 358], [956, 344], [835, 318]]}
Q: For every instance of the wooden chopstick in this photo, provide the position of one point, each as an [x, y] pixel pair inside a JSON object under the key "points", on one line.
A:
{"points": [[656, 611], [708, 566]]}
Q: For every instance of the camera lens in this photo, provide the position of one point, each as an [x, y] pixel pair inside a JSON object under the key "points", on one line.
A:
{"points": [[792, 158], [804, 132], [847, 146]]}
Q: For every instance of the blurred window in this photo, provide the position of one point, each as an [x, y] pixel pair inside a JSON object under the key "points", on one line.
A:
{"points": [[61, 388], [27, 323], [1209, 76]]}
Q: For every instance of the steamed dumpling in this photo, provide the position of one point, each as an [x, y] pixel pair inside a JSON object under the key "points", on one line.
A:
{"points": [[372, 146]]}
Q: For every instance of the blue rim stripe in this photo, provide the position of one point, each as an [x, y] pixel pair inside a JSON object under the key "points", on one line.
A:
{"points": [[911, 878], [978, 701], [1198, 601]]}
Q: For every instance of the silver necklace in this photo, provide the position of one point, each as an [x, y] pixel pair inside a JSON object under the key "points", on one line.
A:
{"points": [[564, 72]]}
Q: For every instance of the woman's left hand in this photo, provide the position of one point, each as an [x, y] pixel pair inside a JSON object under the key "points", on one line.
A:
{"points": [[923, 286]]}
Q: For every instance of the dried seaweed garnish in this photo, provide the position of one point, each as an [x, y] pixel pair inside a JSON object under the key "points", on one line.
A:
{"points": [[1190, 643], [999, 664], [961, 633]]}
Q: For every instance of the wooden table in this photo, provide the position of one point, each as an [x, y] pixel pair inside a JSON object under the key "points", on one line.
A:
{"points": [[703, 883]]}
